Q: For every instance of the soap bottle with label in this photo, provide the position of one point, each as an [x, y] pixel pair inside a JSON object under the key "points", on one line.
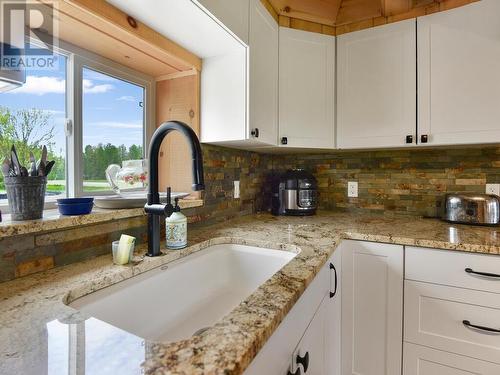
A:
{"points": [[176, 228]]}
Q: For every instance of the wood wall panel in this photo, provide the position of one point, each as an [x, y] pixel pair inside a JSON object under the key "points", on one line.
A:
{"points": [[177, 99]]}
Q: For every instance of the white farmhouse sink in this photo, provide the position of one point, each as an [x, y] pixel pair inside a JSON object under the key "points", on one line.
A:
{"points": [[177, 300]]}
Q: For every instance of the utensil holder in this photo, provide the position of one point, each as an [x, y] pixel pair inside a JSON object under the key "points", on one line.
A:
{"points": [[26, 196]]}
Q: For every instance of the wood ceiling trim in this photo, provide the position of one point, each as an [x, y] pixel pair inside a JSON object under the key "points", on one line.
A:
{"points": [[392, 7], [270, 9], [353, 15], [140, 36], [295, 23], [317, 11], [73, 30], [357, 10]]}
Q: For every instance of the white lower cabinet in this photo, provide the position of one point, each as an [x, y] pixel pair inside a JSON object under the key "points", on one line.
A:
{"points": [[310, 354], [452, 313], [421, 360], [333, 340], [437, 316], [300, 344], [349, 321], [372, 308]]}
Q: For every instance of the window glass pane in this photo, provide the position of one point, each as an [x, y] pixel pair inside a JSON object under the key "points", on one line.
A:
{"points": [[33, 115], [113, 126]]}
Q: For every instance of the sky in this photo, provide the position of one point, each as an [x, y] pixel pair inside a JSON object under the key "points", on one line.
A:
{"points": [[111, 110]]}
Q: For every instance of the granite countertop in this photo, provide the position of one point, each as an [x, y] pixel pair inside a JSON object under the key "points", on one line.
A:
{"points": [[40, 334]]}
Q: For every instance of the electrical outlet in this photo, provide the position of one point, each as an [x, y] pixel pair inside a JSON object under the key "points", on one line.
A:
{"points": [[352, 189], [236, 189], [493, 189]]}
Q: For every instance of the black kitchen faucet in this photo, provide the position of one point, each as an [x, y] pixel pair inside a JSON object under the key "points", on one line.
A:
{"points": [[154, 209]]}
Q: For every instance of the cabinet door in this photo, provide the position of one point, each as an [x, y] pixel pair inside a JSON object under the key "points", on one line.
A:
{"points": [[458, 75], [377, 87], [232, 13], [420, 360], [333, 316], [275, 357], [372, 308], [311, 348], [263, 75], [306, 89]]}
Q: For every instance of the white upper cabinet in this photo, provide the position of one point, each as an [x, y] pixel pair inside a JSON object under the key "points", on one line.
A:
{"points": [[223, 97], [239, 90], [263, 118], [376, 90], [306, 89], [233, 14], [459, 75]]}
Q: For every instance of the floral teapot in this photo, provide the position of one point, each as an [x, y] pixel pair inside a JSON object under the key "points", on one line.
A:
{"points": [[132, 176]]}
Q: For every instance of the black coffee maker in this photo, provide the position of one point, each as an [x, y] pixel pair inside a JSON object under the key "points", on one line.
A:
{"points": [[294, 193]]}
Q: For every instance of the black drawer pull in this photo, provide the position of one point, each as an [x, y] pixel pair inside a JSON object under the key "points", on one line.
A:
{"points": [[304, 361], [332, 294], [481, 328], [487, 274]]}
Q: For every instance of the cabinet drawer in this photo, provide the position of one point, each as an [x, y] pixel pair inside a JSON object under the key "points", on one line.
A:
{"points": [[434, 316], [420, 360], [449, 268]]}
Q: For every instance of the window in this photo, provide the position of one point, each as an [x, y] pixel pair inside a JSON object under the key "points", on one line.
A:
{"points": [[113, 126], [90, 112], [34, 115]]}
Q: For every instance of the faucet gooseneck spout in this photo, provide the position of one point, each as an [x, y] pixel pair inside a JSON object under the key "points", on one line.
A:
{"points": [[154, 209]]}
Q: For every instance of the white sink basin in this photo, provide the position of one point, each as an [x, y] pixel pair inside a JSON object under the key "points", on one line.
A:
{"points": [[177, 300]]}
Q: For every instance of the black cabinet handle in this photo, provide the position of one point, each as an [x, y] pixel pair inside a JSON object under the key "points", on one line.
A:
{"points": [[284, 140], [332, 267], [481, 328], [297, 372], [487, 274], [409, 139], [424, 138], [255, 133], [304, 361]]}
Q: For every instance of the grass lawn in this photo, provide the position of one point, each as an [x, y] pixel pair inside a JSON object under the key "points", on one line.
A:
{"points": [[56, 187]]}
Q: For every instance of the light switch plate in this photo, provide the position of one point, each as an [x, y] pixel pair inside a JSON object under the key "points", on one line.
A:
{"points": [[493, 189], [236, 189], [352, 189]]}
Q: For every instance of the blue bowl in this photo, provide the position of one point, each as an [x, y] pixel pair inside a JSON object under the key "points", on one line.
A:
{"points": [[77, 208], [74, 200]]}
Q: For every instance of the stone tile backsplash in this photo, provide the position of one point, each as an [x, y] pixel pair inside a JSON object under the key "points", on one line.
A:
{"points": [[392, 183], [397, 182]]}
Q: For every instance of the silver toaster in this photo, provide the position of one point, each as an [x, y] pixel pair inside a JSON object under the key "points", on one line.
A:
{"points": [[481, 209]]}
